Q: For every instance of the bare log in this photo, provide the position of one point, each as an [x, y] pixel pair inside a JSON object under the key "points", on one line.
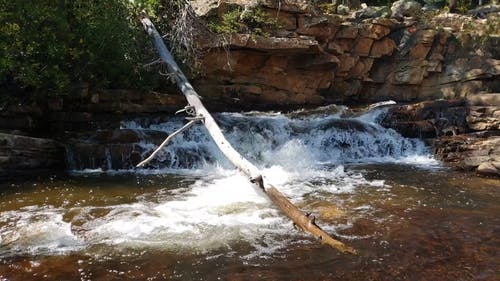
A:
{"points": [[301, 220]]}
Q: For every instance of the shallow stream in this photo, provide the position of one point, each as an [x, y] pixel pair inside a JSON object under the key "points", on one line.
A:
{"points": [[191, 216]]}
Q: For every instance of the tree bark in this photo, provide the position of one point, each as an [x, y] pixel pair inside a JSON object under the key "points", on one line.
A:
{"points": [[303, 221]]}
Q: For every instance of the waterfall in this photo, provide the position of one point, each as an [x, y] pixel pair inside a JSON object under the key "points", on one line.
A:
{"points": [[299, 139], [197, 200]]}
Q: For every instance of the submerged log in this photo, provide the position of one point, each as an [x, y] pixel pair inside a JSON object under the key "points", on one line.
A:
{"points": [[300, 219]]}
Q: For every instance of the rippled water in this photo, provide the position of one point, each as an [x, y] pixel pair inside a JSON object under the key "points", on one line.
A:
{"points": [[190, 216]]}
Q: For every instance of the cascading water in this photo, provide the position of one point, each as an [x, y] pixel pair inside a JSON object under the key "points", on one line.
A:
{"points": [[288, 140], [302, 152], [191, 216]]}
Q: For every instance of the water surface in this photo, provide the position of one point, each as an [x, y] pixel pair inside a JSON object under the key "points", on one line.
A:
{"points": [[191, 216]]}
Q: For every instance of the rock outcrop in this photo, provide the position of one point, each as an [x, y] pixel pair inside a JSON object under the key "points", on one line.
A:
{"points": [[429, 119], [87, 110], [465, 133], [317, 58], [110, 149], [473, 151], [479, 149], [25, 155]]}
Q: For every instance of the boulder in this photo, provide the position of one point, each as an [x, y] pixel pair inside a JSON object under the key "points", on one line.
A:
{"points": [[343, 10], [405, 8], [489, 168], [428, 119], [483, 118], [476, 151]]}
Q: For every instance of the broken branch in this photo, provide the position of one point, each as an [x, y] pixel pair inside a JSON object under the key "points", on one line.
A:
{"points": [[167, 140]]}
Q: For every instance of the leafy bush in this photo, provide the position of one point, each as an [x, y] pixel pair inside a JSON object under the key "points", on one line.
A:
{"points": [[255, 21], [48, 47]]}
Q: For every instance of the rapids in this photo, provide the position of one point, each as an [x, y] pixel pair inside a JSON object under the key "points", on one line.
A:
{"points": [[190, 209]]}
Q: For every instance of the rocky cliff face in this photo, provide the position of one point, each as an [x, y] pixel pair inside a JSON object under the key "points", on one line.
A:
{"points": [[316, 58], [448, 63]]}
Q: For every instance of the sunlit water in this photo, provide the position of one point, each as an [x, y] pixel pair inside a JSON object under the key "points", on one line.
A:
{"points": [[191, 216]]}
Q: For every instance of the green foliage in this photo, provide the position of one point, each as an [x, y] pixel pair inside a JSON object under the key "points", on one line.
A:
{"points": [[327, 8], [255, 21], [230, 23], [464, 5], [258, 21], [48, 47]]}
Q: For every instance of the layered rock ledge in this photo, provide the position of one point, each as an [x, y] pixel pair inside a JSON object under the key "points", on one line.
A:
{"points": [[443, 69], [465, 133], [315, 58]]}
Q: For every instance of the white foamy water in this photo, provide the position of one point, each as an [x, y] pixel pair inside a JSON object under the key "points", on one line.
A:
{"points": [[36, 230], [303, 156]]}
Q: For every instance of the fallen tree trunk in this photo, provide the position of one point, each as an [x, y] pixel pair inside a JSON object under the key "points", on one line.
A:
{"points": [[301, 220]]}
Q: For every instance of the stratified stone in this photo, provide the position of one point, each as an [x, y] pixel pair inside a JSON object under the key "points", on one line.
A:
{"points": [[321, 28], [335, 48], [408, 72], [428, 119], [483, 118], [383, 47], [347, 31], [484, 99], [285, 20], [361, 69], [363, 46], [478, 151], [419, 52], [346, 45], [347, 62], [280, 43], [374, 31], [20, 154]]}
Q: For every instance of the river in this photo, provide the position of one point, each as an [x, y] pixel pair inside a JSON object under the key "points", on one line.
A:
{"points": [[190, 216]]}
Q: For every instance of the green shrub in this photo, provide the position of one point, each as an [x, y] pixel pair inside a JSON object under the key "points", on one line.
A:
{"points": [[255, 21], [50, 47]]}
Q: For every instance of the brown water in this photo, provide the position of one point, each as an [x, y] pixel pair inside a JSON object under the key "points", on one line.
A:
{"points": [[418, 224]]}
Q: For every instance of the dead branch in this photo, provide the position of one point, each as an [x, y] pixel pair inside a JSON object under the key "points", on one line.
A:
{"points": [[305, 222]]}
